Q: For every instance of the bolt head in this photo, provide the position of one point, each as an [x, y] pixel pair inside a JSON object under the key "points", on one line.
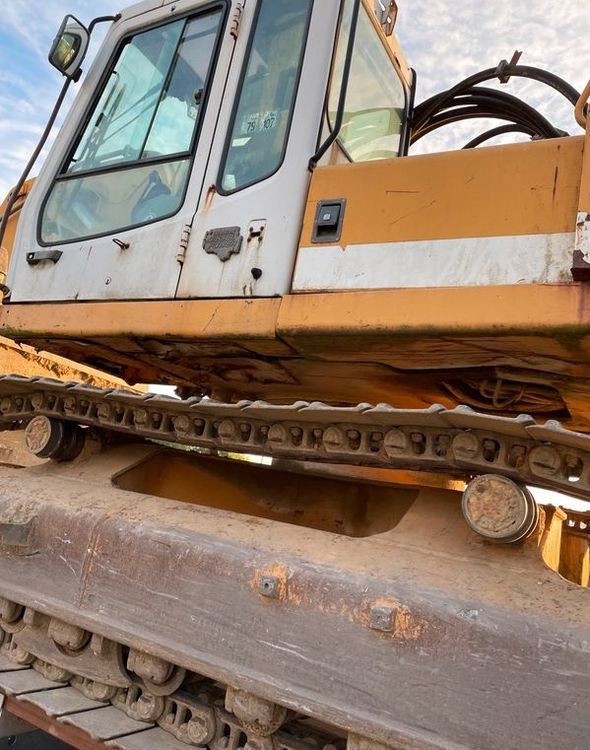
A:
{"points": [[395, 443], [226, 430], [277, 434], [333, 439], [182, 424], [382, 618], [140, 417], [465, 445], [269, 587], [544, 461], [103, 411]]}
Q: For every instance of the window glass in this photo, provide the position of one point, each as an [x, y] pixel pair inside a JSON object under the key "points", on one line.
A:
{"points": [[172, 129], [375, 98], [149, 109], [104, 201], [119, 125], [262, 119]]}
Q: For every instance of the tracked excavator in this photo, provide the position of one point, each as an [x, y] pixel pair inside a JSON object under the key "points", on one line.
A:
{"points": [[329, 539]]}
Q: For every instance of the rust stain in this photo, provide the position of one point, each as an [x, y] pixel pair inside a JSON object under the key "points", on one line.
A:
{"points": [[278, 571], [406, 627], [211, 192]]}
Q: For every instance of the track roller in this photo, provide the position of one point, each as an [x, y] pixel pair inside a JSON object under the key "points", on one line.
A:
{"points": [[46, 437]]}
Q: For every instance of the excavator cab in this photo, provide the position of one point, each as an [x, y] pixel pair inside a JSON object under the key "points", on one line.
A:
{"points": [[195, 129]]}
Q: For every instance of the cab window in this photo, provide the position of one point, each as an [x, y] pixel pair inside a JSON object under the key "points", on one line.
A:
{"points": [[131, 163], [376, 99], [261, 120]]}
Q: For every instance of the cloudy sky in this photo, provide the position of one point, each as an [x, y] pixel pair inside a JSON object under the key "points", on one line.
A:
{"points": [[445, 41]]}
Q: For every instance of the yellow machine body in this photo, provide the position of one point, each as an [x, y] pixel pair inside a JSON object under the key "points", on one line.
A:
{"points": [[329, 541]]}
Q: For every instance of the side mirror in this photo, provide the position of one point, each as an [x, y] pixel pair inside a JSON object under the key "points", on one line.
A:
{"points": [[69, 47]]}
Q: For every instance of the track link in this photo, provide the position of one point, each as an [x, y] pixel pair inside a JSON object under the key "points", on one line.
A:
{"points": [[148, 704], [459, 441]]}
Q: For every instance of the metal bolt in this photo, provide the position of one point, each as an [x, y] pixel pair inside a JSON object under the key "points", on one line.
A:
{"points": [[395, 443], [226, 430], [37, 400], [465, 445], [382, 618], [333, 439], [182, 424], [277, 434], [141, 417], [103, 411], [544, 461], [269, 586], [69, 405]]}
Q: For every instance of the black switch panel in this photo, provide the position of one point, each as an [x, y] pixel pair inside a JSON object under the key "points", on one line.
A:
{"points": [[329, 218]]}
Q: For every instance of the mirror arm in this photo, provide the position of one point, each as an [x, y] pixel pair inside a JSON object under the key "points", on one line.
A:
{"points": [[50, 122], [18, 187], [102, 19]]}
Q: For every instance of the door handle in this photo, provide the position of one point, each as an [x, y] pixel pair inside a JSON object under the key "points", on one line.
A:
{"points": [[35, 258]]}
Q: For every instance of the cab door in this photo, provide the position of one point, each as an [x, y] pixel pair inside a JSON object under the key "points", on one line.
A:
{"points": [[108, 215], [246, 229]]}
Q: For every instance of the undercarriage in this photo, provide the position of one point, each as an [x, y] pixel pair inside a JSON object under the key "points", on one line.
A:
{"points": [[155, 587]]}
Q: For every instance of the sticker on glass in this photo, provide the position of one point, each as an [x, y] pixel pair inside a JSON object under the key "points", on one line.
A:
{"points": [[250, 124], [269, 121]]}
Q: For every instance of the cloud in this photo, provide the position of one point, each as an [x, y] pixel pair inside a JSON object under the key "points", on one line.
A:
{"points": [[445, 42], [28, 84]]}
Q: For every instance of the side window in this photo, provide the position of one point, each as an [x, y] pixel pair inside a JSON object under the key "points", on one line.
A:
{"points": [[376, 100], [262, 118], [132, 160]]}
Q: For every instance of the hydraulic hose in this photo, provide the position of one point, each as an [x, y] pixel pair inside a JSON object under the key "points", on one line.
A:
{"points": [[469, 100]]}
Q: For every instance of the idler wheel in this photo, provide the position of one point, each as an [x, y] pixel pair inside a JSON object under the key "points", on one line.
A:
{"points": [[499, 510]]}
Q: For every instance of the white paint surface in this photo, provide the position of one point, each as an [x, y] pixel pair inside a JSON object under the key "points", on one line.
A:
{"points": [[523, 259]]}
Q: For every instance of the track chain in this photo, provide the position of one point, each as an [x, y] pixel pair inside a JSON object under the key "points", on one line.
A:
{"points": [[458, 441], [198, 712]]}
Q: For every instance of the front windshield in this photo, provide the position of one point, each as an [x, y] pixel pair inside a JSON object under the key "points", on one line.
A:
{"points": [[131, 161]]}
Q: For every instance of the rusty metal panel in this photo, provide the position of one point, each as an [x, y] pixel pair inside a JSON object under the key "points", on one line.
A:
{"points": [[421, 637]]}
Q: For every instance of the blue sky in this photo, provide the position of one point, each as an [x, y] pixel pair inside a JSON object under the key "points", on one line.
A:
{"points": [[445, 40]]}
